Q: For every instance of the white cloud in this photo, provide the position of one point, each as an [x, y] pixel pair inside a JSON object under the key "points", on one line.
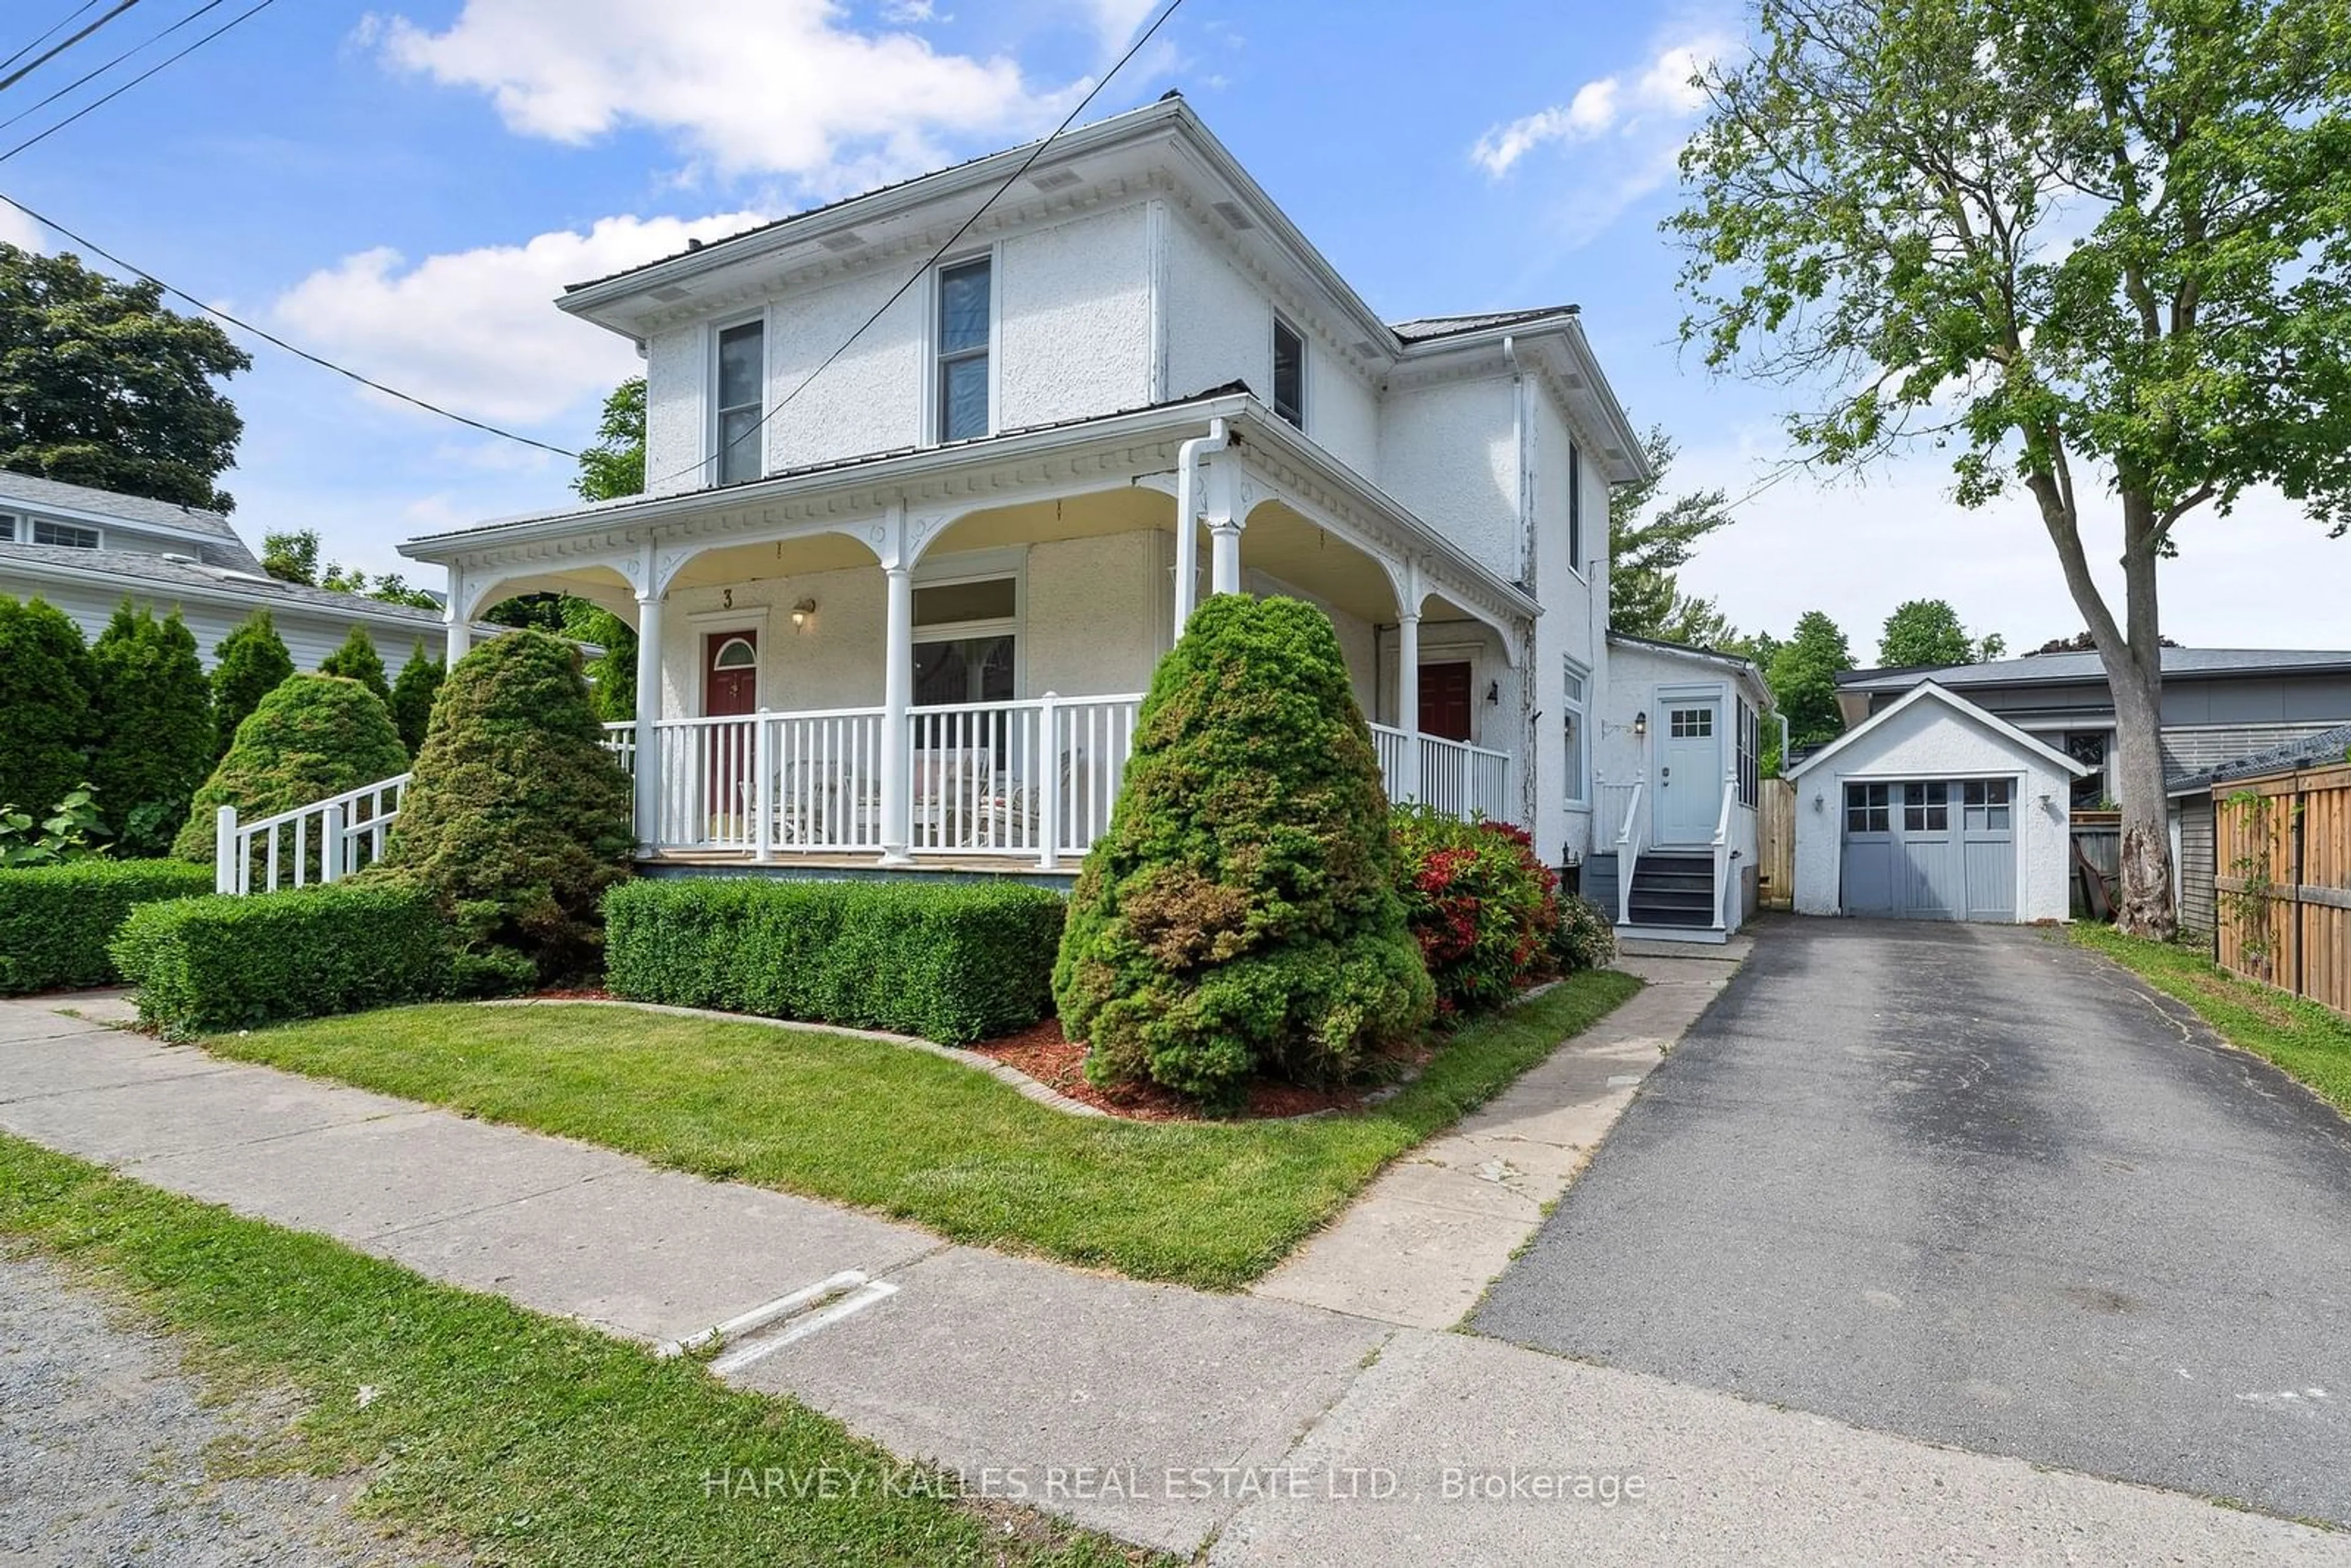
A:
{"points": [[748, 86], [20, 231], [907, 13], [476, 329], [1657, 102]]}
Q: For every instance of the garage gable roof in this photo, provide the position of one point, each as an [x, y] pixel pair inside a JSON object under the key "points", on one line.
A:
{"points": [[1928, 691]]}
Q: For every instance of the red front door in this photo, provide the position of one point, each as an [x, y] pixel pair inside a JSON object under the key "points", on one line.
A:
{"points": [[730, 666], [1445, 700]]}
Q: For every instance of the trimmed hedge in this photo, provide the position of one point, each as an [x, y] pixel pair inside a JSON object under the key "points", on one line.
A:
{"points": [[951, 962], [203, 965], [57, 920]]}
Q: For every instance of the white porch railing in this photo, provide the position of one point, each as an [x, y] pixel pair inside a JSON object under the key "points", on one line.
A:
{"points": [[1456, 778], [1722, 852], [1390, 745], [1628, 842], [323, 842]]}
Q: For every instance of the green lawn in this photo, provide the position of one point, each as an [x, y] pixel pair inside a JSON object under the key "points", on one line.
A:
{"points": [[908, 1135], [2302, 1037], [529, 1440]]}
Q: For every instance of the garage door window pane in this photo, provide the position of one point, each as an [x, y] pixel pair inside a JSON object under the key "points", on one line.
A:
{"points": [[1986, 802], [1866, 809], [1927, 808]]}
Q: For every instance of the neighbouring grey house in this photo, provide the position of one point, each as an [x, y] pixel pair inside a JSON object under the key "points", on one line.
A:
{"points": [[2192, 808], [2223, 708], [86, 551]]}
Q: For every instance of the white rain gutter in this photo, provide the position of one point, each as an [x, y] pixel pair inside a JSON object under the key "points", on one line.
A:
{"points": [[1187, 516], [1519, 426]]}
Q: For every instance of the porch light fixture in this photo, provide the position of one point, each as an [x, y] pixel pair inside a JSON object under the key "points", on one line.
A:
{"points": [[801, 612], [1641, 722]]}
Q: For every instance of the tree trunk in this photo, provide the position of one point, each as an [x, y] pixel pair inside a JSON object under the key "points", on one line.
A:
{"points": [[2143, 906]]}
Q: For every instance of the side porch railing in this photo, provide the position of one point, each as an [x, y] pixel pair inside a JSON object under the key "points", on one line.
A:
{"points": [[323, 842], [1455, 777]]}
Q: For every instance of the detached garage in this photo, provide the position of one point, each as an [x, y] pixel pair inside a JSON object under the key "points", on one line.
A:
{"points": [[1932, 809]]}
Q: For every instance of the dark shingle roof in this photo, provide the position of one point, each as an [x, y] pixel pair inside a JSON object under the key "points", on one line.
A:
{"points": [[1425, 329], [220, 546], [2311, 751], [2073, 669]]}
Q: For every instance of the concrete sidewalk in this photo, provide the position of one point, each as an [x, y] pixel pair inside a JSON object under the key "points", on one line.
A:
{"points": [[1162, 1415]]}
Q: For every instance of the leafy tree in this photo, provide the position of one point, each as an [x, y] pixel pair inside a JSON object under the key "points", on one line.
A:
{"points": [[517, 821], [1241, 916], [357, 660], [1802, 677], [249, 664], [1646, 551], [614, 466], [100, 385], [412, 697], [291, 556], [45, 691], [2081, 642], [1928, 632], [153, 726], [2099, 246], [312, 736]]}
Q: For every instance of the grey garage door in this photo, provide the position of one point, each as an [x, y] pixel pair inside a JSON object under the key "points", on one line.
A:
{"points": [[1942, 849]]}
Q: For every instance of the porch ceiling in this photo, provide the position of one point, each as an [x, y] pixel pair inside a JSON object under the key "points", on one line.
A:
{"points": [[1123, 509], [1281, 543]]}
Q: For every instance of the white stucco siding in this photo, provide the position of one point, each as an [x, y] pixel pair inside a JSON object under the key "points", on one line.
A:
{"points": [[1074, 319], [1097, 614], [1571, 629], [1219, 323], [872, 398], [677, 409], [1450, 453], [1929, 741], [1343, 410]]}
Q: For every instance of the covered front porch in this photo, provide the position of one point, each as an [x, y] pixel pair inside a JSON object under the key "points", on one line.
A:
{"points": [[937, 659]]}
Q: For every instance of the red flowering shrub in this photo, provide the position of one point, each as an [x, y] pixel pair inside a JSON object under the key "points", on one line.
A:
{"points": [[1483, 908]]}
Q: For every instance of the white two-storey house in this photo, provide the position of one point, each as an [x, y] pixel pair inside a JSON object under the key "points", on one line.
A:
{"points": [[915, 534]]}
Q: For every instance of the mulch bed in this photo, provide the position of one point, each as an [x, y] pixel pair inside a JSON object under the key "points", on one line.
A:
{"points": [[1049, 1057]]}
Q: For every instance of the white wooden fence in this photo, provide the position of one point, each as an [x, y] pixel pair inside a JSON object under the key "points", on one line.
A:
{"points": [[323, 842]]}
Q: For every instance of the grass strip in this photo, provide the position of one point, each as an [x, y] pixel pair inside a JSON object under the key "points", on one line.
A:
{"points": [[531, 1440], [906, 1134]]}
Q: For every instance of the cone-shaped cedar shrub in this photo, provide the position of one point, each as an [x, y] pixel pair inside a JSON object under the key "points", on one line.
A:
{"points": [[153, 719], [357, 660], [412, 697], [45, 683], [313, 736], [1242, 913], [519, 819], [248, 665]]}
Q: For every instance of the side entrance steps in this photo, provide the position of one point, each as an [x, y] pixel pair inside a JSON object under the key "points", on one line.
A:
{"points": [[1673, 892]]}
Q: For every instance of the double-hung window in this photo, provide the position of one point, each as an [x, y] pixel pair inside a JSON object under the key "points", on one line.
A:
{"points": [[967, 309], [1750, 755], [1572, 686], [1574, 509], [1289, 372], [742, 367]]}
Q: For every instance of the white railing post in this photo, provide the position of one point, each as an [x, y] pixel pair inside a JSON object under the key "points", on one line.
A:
{"points": [[330, 843], [763, 788], [225, 858], [1048, 785]]}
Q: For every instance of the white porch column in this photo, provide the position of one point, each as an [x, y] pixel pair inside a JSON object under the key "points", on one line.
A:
{"points": [[897, 701], [649, 697], [1224, 530], [459, 633], [1408, 701]]}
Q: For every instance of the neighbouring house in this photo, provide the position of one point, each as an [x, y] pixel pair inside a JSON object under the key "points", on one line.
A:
{"points": [[2222, 706], [2193, 817], [86, 552], [1933, 808], [908, 555]]}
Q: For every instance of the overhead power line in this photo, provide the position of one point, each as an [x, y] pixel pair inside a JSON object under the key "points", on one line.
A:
{"points": [[952, 240], [275, 341], [63, 21], [109, 96], [54, 50], [88, 77]]}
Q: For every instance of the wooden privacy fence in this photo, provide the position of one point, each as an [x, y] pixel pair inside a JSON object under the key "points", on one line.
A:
{"points": [[2283, 864], [1775, 845]]}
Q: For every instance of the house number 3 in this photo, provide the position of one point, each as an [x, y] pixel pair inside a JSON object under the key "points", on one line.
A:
{"points": [[725, 599]]}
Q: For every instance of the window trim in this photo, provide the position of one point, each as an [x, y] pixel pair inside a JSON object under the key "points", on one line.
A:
{"points": [[934, 360], [1579, 781], [1273, 343], [1575, 562], [717, 420], [983, 565], [29, 530]]}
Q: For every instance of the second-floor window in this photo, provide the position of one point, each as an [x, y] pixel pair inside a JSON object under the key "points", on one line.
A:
{"points": [[1288, 373], [742, 365], [965, 311], [1574, 509], [46, 532]]}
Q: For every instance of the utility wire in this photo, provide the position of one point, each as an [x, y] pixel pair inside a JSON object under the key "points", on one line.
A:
{"points": [[45, 38], [949, 244], [274, 342], [109, 96], [54, 50], [88, 77]]}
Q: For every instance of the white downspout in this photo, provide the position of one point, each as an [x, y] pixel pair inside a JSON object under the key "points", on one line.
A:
{"points": [[1187, 517]]}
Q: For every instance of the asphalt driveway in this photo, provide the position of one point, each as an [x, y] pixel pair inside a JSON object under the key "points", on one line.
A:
{"points": [[1975, 1185]]}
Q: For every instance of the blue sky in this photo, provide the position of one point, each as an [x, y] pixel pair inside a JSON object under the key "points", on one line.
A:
{"points": [[404, 188]]}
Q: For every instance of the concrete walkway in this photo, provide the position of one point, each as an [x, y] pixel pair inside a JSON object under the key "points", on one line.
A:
{"points": [[1277, 1432]]}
